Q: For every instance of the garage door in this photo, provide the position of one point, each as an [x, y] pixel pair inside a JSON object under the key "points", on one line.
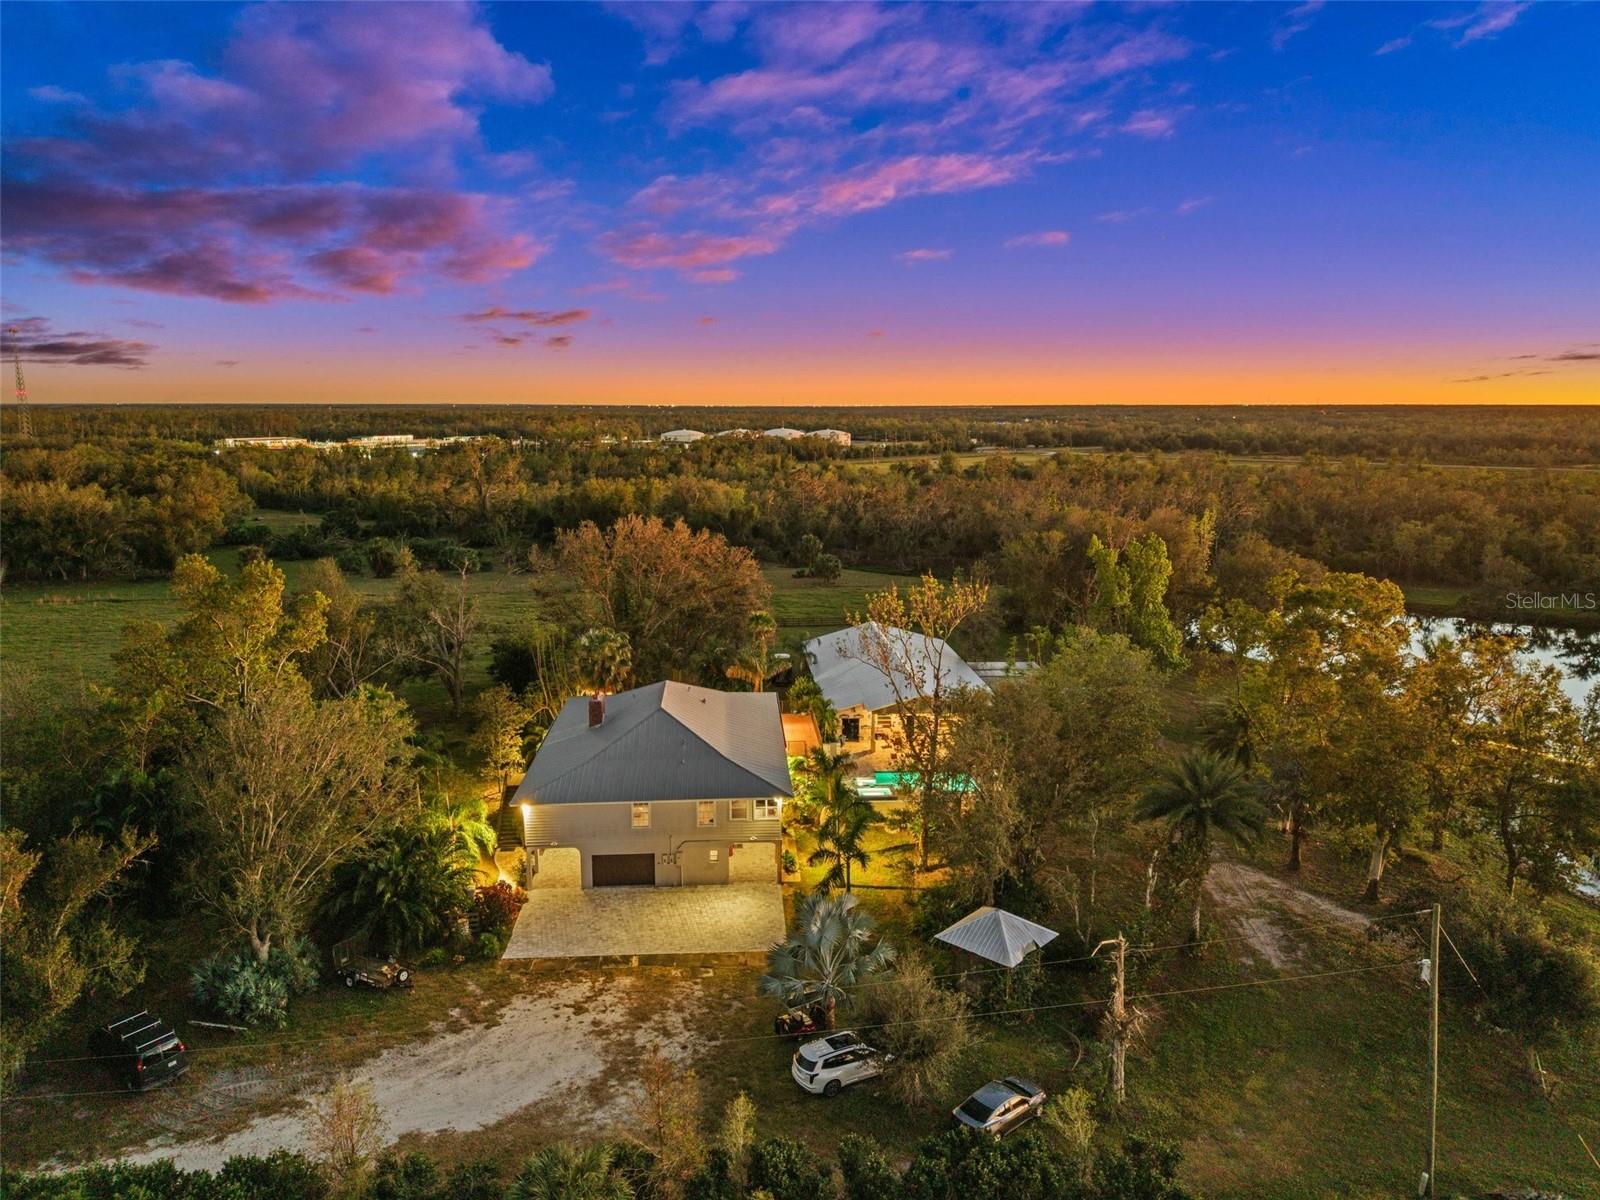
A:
{"points": [[624, 870]]}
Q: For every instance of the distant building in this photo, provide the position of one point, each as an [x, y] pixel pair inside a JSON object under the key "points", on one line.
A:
{"points": [[378, 440], [837, 436], [784, 432], [736, 433], [681, 437], [264, 443]]}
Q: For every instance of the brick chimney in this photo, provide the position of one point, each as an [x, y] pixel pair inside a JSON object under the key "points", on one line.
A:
{"points": [[597, 710]]}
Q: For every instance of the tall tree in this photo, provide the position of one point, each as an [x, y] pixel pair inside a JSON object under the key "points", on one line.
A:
{"points": [[1535, 773], [501, 732], [985, 833], [1130, 595], [433, 623], [1201, 798], [1079, 736], [684, 599], [905, 637], [824, 956], [281, 788], [354, 650], [234, 638]]}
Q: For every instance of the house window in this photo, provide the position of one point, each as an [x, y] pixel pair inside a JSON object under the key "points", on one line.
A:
{"points": [[767, 809], [641, 816], [850, 728], [739, 810], [713, 856], [705, 812]]}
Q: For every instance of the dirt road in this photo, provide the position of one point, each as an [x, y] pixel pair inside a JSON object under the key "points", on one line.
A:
{"points": [[551, 1046], [1266, 908]]}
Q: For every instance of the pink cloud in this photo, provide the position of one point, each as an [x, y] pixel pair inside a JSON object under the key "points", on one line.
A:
{"points": [[917, 175], [714, 275], [1151, 123], [1488, 19], [1194, 205], [697, 253], [1049, 237], [922, 255]]}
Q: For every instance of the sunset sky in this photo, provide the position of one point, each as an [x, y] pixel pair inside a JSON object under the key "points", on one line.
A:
{"points": [[743, 203]]}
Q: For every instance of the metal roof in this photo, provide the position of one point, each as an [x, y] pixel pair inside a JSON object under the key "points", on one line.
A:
{"points": [[848, 682], [997, 935], [666, 741]]}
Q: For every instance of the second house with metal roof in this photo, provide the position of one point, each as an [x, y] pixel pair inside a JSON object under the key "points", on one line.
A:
{"points": [[663, 785]]}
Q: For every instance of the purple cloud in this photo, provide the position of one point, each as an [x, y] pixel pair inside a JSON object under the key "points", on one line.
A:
{"points": [[35, 341], [912, 257], [204, 184], [1049, 237], [529, 316]]}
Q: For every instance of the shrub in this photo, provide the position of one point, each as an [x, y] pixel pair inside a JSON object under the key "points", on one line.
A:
{"points": [[827, 568], [385, 556], [868, 1173], [1531, 981], [235, 985], [491, 944], [498, 905], [789, 1171], [925, 1027], [436, 957], [791, 864]]}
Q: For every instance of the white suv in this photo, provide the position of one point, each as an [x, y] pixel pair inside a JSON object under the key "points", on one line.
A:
{"points": [[824, 1066]]}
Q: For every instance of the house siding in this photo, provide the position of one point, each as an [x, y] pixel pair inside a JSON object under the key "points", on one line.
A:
{"points": [[607, 828]]}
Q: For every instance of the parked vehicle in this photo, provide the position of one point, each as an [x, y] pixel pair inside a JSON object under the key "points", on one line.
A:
{"points": [[796, 1023], [1000, 1105], [829, 1064], [355, 968], [141, 1050]]}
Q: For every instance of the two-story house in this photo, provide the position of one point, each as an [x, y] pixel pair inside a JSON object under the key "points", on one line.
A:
{"points": [[663, 785]]}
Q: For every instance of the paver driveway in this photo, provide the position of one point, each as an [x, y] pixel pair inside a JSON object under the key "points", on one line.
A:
{"points": [[572, 923]]}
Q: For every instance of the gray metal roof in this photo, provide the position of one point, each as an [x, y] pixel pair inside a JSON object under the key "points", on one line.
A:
{"points": [[997, 935], [847, 681], [666, 741]]}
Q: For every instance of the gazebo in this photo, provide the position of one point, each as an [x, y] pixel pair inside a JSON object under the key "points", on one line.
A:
{"points": [[996, 935]]}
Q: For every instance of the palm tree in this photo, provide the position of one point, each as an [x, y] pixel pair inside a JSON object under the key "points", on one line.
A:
{"points": [[754, 666], [844, 818], [560, 1172], [824, 956], [604, 659], [1201, 796], [404, 889], [466, 818]]}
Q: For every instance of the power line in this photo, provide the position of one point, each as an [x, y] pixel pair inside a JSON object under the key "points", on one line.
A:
{"points": [[867, 983], [999, 1012]]}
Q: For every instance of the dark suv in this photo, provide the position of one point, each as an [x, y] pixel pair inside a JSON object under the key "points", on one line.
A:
{"points": [[143, 1051]]}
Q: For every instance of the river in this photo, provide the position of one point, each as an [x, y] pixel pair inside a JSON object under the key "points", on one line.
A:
{"points": [[1575, 653]]}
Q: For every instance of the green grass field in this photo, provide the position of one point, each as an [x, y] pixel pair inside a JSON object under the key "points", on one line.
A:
{"points": [[72, 630]]}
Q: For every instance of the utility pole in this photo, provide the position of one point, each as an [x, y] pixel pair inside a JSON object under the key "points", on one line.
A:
{"points": [[1118, 1018], [1433, 1055]]}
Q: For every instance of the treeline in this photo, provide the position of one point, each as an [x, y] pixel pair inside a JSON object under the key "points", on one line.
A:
{"points": [[1543, 436], [93, 513], [121, 510], [1493, 530]]}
